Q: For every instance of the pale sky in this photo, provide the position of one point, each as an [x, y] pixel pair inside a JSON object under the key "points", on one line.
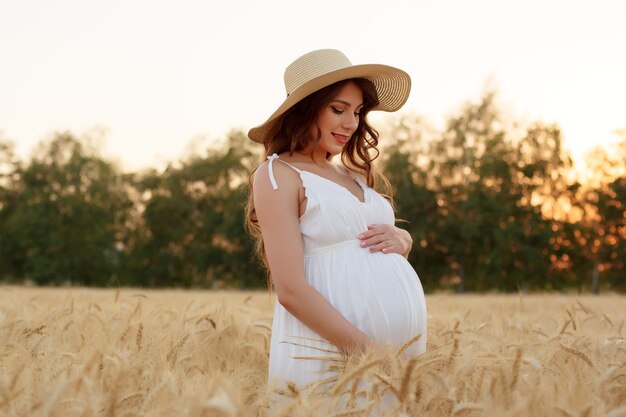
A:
{"points": [[157, 74]]}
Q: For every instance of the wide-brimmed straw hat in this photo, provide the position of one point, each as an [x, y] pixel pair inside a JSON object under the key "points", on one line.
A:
{"points": [[318, 69]]}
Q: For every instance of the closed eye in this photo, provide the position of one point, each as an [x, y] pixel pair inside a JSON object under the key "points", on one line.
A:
{"points": [[338, 111]]}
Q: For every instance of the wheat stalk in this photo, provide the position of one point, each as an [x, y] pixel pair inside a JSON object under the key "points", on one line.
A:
{"points": [[354, 374], [172, 355], [455, 348], [565, 326], [460, 407], [363, 410], [405, 346], [125, 333], [578, 354], [293, 389], [42, 350], [516, 366], [571, 316], [585, 309], [320, 358], [139, 336], [406, 379], [312, 347], [386, 382]]}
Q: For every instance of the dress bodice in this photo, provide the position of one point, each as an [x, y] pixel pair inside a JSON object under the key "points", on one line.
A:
{"points": [[334, 216]]}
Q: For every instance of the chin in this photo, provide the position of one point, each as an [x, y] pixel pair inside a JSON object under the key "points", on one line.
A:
{"points": [[335, 151]]}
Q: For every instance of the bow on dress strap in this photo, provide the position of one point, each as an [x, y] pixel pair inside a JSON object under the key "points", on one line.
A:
{"points": [[271, 159]]}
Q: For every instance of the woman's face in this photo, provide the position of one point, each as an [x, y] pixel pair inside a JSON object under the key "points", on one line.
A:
{"points": [[338, 120]]}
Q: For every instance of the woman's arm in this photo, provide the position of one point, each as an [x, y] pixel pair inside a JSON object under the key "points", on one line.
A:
{"points": [[277, 212]]}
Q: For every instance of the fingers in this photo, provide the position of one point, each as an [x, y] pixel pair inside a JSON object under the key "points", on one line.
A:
{"points": [[373, 230], [383, 238], [372, 237], [381, 243], [374, 240], [388, 247]]}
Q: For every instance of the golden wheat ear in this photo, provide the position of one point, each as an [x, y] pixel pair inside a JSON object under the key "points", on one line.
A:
{"points": [[319, 358], [312, 347], [360, 370], [408, 344]]}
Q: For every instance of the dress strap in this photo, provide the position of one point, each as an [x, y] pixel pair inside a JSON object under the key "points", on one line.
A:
{"points": [[271, 159]]}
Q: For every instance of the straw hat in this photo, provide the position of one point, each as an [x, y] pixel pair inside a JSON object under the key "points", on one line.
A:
{"points": [[318, 69]]}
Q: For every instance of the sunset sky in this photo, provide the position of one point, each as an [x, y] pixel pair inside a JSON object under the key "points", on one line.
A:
{"points": [[155, 75]]}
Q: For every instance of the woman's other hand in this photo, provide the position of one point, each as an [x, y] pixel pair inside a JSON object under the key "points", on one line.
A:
{"points": [[386, 238]]}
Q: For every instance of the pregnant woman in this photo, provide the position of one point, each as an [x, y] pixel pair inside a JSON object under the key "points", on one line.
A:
{"points": [[337, 262]]}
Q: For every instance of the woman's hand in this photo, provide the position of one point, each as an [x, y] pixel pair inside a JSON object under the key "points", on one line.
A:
{"points": [[387, 238]]}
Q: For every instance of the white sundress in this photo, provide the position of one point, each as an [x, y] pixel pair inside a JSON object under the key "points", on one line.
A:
{"points": [[378, 293]]}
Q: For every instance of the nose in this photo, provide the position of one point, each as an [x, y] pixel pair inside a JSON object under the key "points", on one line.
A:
{"points": [[350, 121]]}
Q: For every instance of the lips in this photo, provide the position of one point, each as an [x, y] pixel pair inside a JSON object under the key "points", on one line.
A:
{"points": [[342, 139]]}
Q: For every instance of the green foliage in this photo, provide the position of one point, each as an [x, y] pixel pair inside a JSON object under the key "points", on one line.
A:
{"points": [[608, 237], [191, 228], [486, 207], [489, 207], [61, 217], [416, 204]]}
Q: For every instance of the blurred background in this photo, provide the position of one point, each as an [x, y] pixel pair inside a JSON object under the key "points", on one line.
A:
{"points": [[124, 159]]}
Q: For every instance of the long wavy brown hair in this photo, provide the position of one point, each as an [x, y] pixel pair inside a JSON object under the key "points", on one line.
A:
{"points": [[292, 133]]}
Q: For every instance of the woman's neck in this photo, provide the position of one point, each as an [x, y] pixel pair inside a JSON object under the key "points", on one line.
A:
{"points": [[316, 157]]}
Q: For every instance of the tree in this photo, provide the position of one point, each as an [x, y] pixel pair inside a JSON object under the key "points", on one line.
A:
{"points": [[404, 152], [604, 224], [484, 192], [10, 167], [191, 228], [64, 219]]}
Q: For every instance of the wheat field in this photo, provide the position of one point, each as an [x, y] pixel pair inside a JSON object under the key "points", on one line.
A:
{"points": [[130, 352]]}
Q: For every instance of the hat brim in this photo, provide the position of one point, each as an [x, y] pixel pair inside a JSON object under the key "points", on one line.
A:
{"points": [[392, 86]]}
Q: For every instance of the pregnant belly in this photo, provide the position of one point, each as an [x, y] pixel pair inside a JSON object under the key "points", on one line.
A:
{"points": [[379, 293]]}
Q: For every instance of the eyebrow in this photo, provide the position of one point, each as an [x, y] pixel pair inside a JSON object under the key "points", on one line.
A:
{"points": [[345, 102]]}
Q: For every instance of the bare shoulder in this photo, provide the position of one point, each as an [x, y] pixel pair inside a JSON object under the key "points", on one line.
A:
{"points": [[276, 207], [287, 180]]}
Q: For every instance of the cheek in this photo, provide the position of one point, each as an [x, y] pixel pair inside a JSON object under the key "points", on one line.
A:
{"points": [[328, 120]]}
